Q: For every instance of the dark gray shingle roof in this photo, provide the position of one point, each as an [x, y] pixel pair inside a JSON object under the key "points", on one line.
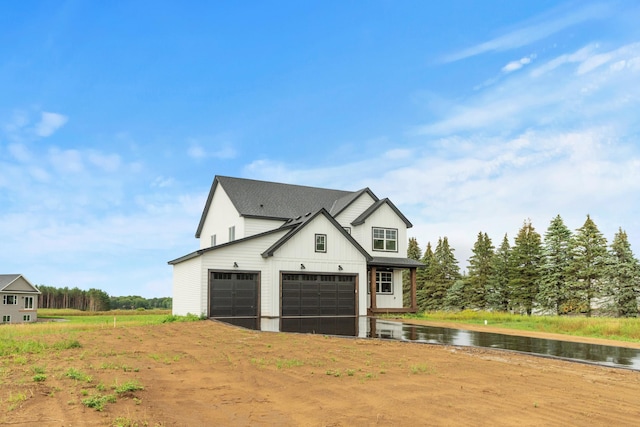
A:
{"points": [[6, 279], [380, 261], [264, 199]]}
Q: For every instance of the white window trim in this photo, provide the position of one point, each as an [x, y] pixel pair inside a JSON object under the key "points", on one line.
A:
{"points": [[324, 243], [6, 318], [28, 303], [6, 297], [385, 239], [26, 318], [213, 239], [232, 233]]}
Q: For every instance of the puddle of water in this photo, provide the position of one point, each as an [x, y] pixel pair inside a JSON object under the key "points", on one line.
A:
{"points": [[368, 327]]}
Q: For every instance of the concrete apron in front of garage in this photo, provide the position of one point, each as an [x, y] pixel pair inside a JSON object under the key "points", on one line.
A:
{"points": [[371, 327]]}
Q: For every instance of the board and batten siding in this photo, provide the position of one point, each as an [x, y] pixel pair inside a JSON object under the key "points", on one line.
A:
{"points": [[393, 300], [353, 211], [384, 217], [247, 255], [221, 215], [187, 290], [300, 249], [253, 226]]}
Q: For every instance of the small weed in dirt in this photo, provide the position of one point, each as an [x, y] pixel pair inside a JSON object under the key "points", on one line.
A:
{"points": [[67, 344], [420, 369], [335, 373], [98, 401], [350, 372], [128, 387], [75, 374], [100, 386], [125, 422], [15, 399], [39, 378], [288, 363]]}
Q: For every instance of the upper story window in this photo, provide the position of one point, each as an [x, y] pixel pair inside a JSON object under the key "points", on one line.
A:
{"points": [[213, 240], [232, 233], [9, 299], [385, 239], [321, 243], [28, 302]]}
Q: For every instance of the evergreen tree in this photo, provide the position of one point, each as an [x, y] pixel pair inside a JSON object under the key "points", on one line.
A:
{"points": [[480, 271], [557, 257], [427, 273], [588, 267], [498, 287], [623, 273], [441, 272], [413, 252], [525, 267]]}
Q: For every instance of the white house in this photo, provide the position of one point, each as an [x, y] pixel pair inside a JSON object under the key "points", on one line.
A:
{"points": [[19, 299], [278, 250]]}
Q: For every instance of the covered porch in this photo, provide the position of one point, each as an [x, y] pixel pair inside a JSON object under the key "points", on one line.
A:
{"points": [[378, 264]]}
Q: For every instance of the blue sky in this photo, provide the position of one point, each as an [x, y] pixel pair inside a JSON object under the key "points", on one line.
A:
{"points": [[470, 116]]}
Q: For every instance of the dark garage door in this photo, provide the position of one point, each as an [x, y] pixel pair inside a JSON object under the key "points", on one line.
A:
{"points": [[318, 295], [233, 294]]}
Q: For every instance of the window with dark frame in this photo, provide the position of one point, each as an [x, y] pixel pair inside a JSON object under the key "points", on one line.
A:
{"points": [[384, 282], [385, 239], [9, 299], [321, 243]]}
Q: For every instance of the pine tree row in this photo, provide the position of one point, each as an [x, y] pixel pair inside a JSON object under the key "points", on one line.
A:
{"points": [[564, 273]]}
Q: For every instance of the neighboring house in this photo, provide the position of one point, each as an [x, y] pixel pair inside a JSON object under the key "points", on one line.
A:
{"points": [[19, 299], [278, 250]]}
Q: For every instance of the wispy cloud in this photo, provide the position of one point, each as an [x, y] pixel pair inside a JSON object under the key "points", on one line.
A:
{"points": [[537, 29], [566, 89]]}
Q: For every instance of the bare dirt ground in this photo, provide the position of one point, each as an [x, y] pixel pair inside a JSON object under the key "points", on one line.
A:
{"points": [[211, 374]]}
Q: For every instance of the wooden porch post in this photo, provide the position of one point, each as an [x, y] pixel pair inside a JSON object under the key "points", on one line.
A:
{"points": [[414, 302], [372, 291]]}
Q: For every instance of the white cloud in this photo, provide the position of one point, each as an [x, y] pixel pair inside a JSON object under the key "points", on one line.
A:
{"points": [[49, 123], [516, 65], [541, 27], [66, 161]]}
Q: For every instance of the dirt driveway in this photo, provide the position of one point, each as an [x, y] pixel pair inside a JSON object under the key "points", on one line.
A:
{"points": [[210, 374]]}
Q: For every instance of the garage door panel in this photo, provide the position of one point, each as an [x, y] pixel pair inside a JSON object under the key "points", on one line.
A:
{"points": [[318, 295], [233, 294]]}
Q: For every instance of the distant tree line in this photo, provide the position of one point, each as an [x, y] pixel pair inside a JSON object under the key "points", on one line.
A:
{"points": [[133, 302], [94, 300], [563, 273]]}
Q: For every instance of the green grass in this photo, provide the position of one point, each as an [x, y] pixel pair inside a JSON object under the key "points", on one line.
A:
{"points": [[28, 339], [621, 329], [98, 401]]}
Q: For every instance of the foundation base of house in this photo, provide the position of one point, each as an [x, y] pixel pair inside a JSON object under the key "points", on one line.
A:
{"points": [[403, 310]]}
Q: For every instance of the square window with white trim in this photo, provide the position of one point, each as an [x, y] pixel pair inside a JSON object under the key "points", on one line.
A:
{"points": [[321, 243]]}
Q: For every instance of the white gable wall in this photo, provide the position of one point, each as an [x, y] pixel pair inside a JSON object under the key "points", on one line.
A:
{"points": [[186, 288], [355, 209], [253, 226], [221, 215], [383, 217], [300, 249]]}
